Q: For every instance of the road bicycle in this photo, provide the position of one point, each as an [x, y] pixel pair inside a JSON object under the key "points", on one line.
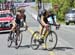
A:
{"points": [[15, 37], [49, 39]]}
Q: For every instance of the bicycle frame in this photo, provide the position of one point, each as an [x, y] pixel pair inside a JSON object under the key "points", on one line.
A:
{"points": [[47, 32], [37, 39]]}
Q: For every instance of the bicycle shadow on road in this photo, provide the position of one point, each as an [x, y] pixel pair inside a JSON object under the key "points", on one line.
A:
{"points": [[58, 48], [64, 48], [24, 46]]}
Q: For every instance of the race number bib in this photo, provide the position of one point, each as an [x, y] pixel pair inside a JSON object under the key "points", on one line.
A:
{"points": [[50, 20]]}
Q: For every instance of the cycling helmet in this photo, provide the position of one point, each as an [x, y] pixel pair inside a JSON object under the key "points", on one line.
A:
{"points": [[21, 9]]}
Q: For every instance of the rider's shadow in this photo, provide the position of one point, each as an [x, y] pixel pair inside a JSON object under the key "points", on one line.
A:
{"points": [[24, 46], [64, 48], [58, 49]]}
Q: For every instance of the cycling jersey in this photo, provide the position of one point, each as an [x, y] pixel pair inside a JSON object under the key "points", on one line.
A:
{"points": [[46, 19], [51, 19], [18, 19], [43, 13]]}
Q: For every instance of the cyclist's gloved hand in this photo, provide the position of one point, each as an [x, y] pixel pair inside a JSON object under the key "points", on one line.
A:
{"points": [[57, 26]]}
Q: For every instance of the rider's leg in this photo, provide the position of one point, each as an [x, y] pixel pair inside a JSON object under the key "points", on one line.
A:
{"points": [[41, 33], [46, 32], [13, 25], [41, 30], [44, 37], [12, 29]]}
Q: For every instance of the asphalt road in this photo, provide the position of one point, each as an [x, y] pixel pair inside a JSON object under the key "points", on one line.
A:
{"points": [[65, 45]]}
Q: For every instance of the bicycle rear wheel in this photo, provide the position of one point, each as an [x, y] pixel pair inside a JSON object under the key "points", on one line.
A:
{"points": [[51, 40], [34, 40], [18, 40], [10, 39]]}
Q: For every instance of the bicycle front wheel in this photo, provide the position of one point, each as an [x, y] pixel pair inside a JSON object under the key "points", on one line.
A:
{"points": [[10, 39], [34, 40], [18, 40], [51, 40]]}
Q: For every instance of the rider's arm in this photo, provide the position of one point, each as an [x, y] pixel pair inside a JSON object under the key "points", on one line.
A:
{"points": [[24, 18], [53, 19], [55, 22], [25, 23]]}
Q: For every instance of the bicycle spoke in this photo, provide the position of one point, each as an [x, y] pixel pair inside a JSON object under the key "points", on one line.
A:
{"points": [[51, 41], [34, 40], [10, 39], [18, 40]]}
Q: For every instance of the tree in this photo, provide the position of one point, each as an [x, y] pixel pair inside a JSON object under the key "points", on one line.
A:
{"points": [[71, 3], [63, 5], [1, 1]]}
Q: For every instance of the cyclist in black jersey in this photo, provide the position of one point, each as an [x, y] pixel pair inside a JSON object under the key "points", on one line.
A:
{"points": [[44, 21], [19, 16]]}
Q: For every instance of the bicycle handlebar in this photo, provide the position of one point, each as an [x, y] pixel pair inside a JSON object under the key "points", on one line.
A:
{"points": [[57, 25]]}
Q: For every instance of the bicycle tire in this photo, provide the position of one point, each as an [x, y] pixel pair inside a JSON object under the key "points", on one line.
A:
{"points": [[50, 35], [35, 45], [18, 42], [10, 41]]}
